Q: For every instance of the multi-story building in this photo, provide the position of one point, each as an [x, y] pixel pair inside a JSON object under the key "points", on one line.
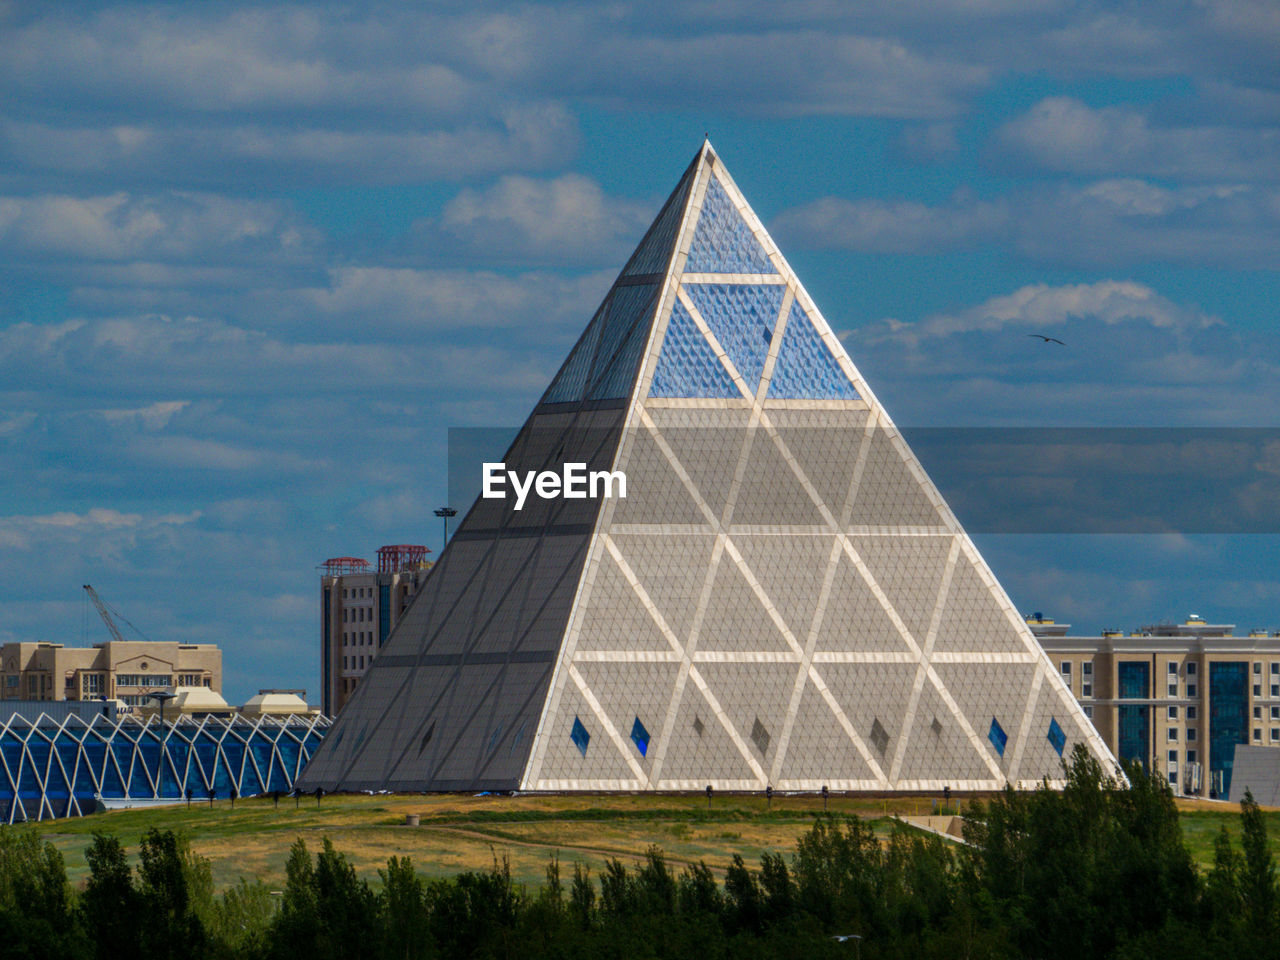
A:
{"points": [[1180, 696], [359, 607], [125, 670]]}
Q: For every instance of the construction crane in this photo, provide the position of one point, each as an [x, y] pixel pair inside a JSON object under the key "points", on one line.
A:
{"points": [[106, 615]]}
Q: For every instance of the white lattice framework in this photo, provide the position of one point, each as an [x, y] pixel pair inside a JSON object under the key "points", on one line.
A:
{"points": [[54, 767]]}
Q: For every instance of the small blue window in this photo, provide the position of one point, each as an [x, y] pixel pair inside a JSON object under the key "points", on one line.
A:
{"points": [[640, 737], [579, 736], [1057, 737], [997, 736]]}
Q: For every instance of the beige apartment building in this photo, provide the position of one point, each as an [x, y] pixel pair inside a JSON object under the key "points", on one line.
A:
{"points": [[359, 607], [1180, 696], [129, 670]]}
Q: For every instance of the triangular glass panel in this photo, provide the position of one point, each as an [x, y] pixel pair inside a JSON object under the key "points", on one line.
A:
{"points": [[806, 368], [624, 339], [687, 366], [571, 381], [742, 317], [654, 253], [722, 242]]}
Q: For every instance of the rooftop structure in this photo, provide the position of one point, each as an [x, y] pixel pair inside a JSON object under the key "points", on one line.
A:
{"points": [[781, 596], [358, 610]]}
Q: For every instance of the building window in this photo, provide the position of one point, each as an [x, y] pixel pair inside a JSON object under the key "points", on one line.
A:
{"points": [[1191, 668], [1173, 735], [1191, 712], [1275, 668], [1191, 689], [144, 680], [1275, 735], [1275, 690], [1066, 670], [1257, 713], [1257, 735], [91, 683], [1191, 734], [1257, 666], [1088, 711], [1173, 759], [1191, 756], [1173, 713], [1086, 688], [1275, 713], [1257, 690], [1173, 688]]}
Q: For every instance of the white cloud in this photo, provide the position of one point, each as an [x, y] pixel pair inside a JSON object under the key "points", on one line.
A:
{"points": [[1117, 220], [446, 301], [1064, 134], [1041, 307], [879, 226], [123, 226], [569, 218], [153, 416], [1133, 357]]}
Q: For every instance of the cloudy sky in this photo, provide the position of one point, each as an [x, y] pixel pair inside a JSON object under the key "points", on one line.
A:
{"points": [[256, 260]]}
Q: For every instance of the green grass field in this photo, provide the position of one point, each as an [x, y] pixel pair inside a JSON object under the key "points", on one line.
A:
{"points": [[459, 833]]}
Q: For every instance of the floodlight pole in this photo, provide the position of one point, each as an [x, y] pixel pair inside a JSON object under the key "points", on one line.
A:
{"points": [[444, 513]]}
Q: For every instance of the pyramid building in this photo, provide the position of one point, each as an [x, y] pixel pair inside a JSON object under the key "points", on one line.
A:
{"points": [[781, 598]]}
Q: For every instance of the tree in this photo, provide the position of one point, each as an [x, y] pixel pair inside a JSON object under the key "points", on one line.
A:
{"points": [[110, 904], [172, 928], [1258, 878]]}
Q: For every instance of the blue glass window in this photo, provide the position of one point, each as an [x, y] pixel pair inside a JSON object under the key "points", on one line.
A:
{"points": [[742, 317], [997, 736], [579, 736], [654, 252], [1134, 721], [722, 241], [688, 367], [1228, 721], [806, 368], [572, 378], [625, 334], [1057, 737], [640, 737]]}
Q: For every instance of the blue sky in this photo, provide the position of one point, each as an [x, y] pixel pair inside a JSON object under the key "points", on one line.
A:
{"points": [[256, 260]]}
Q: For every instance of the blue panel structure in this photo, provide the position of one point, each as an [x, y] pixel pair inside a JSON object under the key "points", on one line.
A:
{"points": [[571, 381], [722, 241], [1056, 736], [640, 737], [687, 366], [806, 368], [997, 736], [67, 766], [742, 317], [633, 305], [579, 736]]}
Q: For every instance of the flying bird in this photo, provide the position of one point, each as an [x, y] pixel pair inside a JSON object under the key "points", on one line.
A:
{"points": [[1046, 339]]}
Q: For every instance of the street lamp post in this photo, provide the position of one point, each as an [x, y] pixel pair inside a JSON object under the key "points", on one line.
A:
{"points": [[164, 696], [444, 513]]}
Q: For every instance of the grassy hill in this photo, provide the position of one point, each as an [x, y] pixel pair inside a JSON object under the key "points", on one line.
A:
{"points": [[462, 832]]}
